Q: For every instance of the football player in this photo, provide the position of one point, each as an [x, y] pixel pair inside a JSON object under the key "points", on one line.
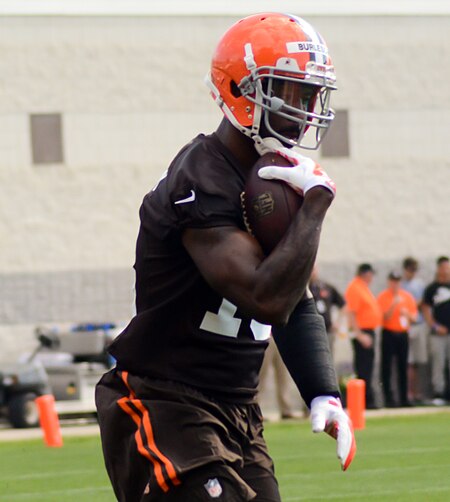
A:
{"points": [[178, 414]]}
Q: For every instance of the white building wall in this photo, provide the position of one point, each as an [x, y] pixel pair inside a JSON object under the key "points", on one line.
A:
{"points": [[130, 92]]}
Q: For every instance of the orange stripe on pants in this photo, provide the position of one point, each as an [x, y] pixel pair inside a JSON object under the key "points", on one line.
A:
{"points": [[143, 420]]}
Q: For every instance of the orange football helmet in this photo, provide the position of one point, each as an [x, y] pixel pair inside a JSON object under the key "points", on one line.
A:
{"points": [[255, 69]]}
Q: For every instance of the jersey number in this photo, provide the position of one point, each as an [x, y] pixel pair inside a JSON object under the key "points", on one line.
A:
{"points": [[224, 323]]}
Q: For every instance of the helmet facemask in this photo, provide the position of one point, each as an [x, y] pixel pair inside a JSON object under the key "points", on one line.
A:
{"points": [[307, 107]]}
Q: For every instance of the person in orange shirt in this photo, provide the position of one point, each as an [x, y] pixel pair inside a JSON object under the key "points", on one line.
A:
{"points": [[399, 310], [364, 317]]}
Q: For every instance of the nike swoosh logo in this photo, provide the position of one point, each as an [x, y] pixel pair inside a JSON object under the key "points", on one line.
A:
{"points": [[191, 198]]}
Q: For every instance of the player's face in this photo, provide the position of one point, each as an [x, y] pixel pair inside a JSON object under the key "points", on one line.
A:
{"points": [[294, 94]]}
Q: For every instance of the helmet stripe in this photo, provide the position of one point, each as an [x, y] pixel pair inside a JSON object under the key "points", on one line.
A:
{"points": [[313, 36]]}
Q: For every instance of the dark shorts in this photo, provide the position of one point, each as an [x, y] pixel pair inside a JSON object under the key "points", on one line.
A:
{"points": [[163, 441]]}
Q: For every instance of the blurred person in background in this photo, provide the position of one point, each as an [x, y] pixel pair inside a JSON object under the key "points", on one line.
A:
{"points": [[364, 317], [418, 335], [327, 298], [399, 310], [436, 310], [282, 381]]}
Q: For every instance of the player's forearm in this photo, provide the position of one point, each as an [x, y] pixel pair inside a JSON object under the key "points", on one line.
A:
{"points": [[264, 288], [282, 278], [304, 346]]}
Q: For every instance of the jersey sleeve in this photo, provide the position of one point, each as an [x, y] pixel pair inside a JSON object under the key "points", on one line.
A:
{"points": [[206, 211], [204, 191]]}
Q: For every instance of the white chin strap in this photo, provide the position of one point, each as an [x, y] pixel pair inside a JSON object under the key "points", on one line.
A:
{"points": [[266, 145], [250, 64]]}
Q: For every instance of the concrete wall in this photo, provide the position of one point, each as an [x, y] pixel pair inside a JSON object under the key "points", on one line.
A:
{"points": [[130, 93]]}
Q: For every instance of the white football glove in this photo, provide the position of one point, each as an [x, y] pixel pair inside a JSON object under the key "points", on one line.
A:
{"points": [[327, 415], [302, 176]]}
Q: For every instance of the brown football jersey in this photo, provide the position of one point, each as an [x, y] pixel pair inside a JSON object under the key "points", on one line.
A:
{"points": [[184, 330]]}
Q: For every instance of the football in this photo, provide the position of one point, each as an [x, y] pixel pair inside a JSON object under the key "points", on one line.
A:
{"points": [[269, 205]]}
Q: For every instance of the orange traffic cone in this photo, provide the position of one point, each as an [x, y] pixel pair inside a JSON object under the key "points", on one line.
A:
{"points": [[356, 402], [49, 421]]}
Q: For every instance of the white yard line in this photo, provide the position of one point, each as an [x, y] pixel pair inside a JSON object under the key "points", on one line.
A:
{"points": [[62, 493], [372, 494], [41, 475]]}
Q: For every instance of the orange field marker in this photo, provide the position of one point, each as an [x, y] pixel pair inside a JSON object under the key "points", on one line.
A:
{"points": [[49, 421], [356, 402]]}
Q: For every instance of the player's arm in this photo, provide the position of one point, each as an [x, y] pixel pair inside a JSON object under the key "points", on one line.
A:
{"points": [[304, 346], [264, 288], [270, 289]]}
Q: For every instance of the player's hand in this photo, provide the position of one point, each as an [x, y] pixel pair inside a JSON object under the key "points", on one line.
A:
{"points": [[304, 174], [327, 415]]}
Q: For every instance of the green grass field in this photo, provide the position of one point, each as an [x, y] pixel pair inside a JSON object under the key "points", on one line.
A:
{"points": [[399, 459]]}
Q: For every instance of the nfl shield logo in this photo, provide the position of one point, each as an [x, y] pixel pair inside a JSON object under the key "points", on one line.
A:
{"points": [[213, 488]]}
